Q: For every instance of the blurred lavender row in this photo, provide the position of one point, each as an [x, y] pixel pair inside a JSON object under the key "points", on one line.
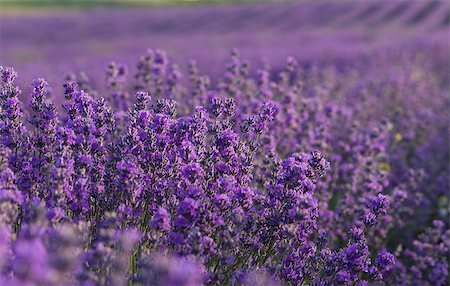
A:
{"points": [[54, 42]]}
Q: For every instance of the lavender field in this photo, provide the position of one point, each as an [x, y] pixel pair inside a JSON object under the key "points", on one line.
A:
{"points": [[287, 143]]}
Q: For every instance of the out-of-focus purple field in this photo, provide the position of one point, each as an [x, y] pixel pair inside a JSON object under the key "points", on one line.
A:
{"points": [[317, 153], [50, 43]]}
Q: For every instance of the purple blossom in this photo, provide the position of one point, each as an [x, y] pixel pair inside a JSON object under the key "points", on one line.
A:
{"points": [[379, 204], [385, 260], [161, 219]]}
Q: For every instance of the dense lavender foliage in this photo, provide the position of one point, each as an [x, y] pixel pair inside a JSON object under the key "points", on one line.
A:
{"points": [[317, 156], [298, 178]]}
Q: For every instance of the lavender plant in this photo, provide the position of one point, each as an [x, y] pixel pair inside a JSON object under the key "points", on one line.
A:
{"points": [[253, 179]]}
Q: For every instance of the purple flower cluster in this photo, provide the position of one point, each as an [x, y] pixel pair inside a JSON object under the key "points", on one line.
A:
{"points": [[256, 180]]}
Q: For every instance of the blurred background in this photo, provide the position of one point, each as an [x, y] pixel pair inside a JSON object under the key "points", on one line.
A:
{"points": [[51, 38]]}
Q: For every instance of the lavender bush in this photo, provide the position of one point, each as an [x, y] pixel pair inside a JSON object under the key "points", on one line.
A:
{"points": [[327, 167], [296, 177]]}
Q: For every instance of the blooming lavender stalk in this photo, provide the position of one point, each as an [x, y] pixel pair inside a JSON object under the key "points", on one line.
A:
{"points": [[10, 196], [12, 128]]}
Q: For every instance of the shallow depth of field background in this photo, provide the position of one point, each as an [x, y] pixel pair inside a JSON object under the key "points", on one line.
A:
{"points": [[49, 38]]}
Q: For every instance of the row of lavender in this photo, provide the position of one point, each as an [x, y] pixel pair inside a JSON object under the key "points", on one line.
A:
{"points": [[299, 177], [314, 32]]}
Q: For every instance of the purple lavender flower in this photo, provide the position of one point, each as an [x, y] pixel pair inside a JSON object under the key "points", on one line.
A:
{"points": [[161, 219], [379, 204], [385, 260]]}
